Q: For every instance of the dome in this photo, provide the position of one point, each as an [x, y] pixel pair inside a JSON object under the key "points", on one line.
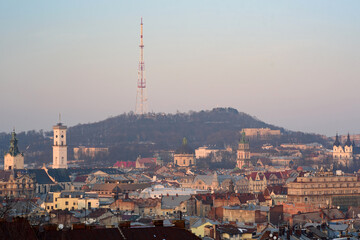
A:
{"points": [[184, 148]]}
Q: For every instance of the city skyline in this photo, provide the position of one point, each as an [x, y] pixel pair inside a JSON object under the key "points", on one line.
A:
{"points": [[293, 65]]}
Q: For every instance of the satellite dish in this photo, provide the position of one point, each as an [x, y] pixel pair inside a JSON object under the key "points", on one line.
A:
{"points": [[61, 226]]}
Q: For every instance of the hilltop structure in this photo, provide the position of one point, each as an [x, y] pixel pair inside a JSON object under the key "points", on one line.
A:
{"points": [[13, 159], [243, 153], [185, 155], [60, 147]]}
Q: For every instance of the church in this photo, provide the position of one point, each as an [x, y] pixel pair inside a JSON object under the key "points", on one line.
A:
{"points": [[344, 154]]}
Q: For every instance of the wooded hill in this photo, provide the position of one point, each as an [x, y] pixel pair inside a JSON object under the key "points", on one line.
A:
{"points": [[128, 135]]}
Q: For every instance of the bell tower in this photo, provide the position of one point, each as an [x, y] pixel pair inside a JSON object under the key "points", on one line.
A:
{"points": [[243, 153], [59, 146]]}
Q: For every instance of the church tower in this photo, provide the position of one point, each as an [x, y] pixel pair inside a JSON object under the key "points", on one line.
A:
{"points": [[13, 159], [59, 146], [243, 153]]}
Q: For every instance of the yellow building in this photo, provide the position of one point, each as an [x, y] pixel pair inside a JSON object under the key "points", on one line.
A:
{"points": [[199, 227], [13, 159], [70, 200], [184, 156]]}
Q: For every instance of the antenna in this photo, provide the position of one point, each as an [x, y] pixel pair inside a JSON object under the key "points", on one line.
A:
{"points": [[141, 100], [59, 117]]}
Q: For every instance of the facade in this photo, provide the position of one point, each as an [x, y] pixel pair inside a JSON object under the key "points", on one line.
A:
{"points": [[184, 156], [70, 200], [16, 185], [261, 132], [91, 152], [325, 190], [343, 154], [60, 146], [243, 153], [13, 159], [203, 152]]}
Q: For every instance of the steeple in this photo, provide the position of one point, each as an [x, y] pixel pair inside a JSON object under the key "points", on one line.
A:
{"points": [[243, 137], [348, 141], [337, 142], [14, 150]]}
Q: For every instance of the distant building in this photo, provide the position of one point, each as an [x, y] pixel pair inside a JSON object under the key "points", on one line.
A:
{"points": [[59, 147], [203, 152], [261, 132], [185, 155], [243, 152], [145, 162], [91, 152], [343, 154], [13, 159]]}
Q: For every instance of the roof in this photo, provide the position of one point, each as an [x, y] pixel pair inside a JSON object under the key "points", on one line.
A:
{"points": [[81, 179], [207, 179], [4, 175], [146, 160], [41, 176], [83, 234], [125, 164], [60, 175], [157, 233], [170, 202], [19, 229]]}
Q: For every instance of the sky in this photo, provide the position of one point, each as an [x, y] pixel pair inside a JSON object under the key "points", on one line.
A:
{"points": [[294, 64]]}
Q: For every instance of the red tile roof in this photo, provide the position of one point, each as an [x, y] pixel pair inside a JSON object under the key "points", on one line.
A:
{"points": [[125, 164]]}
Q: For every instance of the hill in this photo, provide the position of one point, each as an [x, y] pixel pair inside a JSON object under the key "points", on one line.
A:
{"points": [[130, 135]]}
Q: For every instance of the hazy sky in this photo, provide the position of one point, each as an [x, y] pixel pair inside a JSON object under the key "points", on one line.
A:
{"points": [[295, 64]]}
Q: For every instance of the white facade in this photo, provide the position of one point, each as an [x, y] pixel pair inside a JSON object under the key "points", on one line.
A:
{"points": [[59, 146]]}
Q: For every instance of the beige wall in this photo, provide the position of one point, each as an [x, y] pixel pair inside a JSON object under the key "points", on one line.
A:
{"points": [[13, 162], [184, 160]]}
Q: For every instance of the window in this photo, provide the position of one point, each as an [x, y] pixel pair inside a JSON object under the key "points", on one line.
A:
{"points": [[62, 136], [66, 203]]}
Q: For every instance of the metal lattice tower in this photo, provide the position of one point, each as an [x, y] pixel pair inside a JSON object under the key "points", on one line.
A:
{"points": [[141, 99]]}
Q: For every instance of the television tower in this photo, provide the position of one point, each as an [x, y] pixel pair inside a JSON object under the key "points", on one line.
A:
{"points": [[141, 100]]}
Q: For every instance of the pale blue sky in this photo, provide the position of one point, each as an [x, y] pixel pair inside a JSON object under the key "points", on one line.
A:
{"points": [[295, 64]]}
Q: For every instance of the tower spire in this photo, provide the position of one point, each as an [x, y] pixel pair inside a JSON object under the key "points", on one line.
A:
{"points": [[141, 100]]}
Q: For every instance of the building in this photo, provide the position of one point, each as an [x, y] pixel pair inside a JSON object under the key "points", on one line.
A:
{"points": [[325, 190], [91, 152], [16, 185], [243, 153], [145, 162], [203, 152], [13, 159], [184, 156], [71, 200], [343, 154], [261, 132], [60, 146]]}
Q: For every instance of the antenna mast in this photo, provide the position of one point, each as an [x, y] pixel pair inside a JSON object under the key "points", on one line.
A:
{"points": [[141, 100]]}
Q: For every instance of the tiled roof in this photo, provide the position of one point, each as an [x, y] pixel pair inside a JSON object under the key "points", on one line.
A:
{"points": [[81, 179], [125, 164]]}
